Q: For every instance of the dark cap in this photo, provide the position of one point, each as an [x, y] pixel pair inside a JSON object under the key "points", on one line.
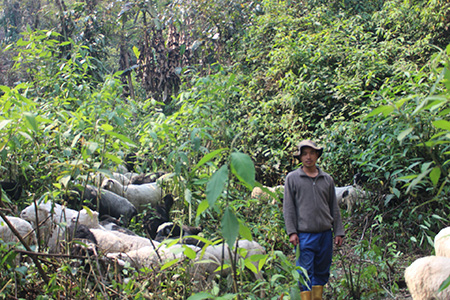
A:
{"points": [[308, 143]]}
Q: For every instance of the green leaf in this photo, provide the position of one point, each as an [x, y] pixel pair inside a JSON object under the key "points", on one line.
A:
{"points": [[242, 166], [442, 124], [106, 127], [216, 185], [202, 207], [230, 227], [121, 137], [3, 123], [31, 121], [65, 180], [444, 284], [435, 174], [136, 52], [169, 264], [404, 133], [384, 109], [244, 231], [209, 156], [190, 253], [113, 158], [446, 79], [200, 296]]}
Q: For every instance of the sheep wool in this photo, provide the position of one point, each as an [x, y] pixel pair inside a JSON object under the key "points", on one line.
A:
{"points": [[140, 195], [23, 227], [115, 241], [442, 242], [425, 275], [152, 256]]}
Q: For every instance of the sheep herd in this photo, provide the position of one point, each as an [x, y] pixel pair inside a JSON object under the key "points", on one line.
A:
{"points": [[124, 196], [96, 229]]}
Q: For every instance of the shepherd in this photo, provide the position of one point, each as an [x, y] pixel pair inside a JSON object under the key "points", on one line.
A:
{"points": [[312, 217]]}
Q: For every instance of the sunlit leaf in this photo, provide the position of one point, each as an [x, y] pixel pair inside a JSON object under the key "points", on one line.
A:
{"points": [[65, 180], [442, 124], [404, 133], [435, 174], [200, 296], [136, 52], [169, 264], [106, 127], [202, 207], [3, 123], [190, 253]]}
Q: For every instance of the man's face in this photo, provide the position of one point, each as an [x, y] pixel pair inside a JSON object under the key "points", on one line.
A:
{"points": [[309, 157]]}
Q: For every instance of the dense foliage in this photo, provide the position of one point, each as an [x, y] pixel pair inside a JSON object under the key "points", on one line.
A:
{"points": [[218, 93]]}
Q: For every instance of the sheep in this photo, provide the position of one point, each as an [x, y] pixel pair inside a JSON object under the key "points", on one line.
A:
{"points": [[349, 195], [143, 178], [204, 266], [124, 179], [23, 227], [169, 230], [157, 216], [246, 249], [442, 242], [55, 218], [83, 241], [151, 256], [259, 193], [112, 224], [115, 241], [110, 204], [139, 195], [425, 275]]}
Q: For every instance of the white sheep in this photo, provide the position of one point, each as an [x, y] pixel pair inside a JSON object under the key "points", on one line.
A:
{"points": [[140, 195], [54, 219], [153, 256], [442, 242], [246, 249], [207, 261], [23, 227], [124, 179], [259, 193], [425, 275], [116, 241], [349, 195]]}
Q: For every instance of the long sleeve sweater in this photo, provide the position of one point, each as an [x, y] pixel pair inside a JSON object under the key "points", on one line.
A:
{"points": [[310, 204]]}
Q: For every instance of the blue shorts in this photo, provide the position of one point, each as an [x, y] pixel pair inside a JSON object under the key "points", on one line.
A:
{"points": [[316, 251]]}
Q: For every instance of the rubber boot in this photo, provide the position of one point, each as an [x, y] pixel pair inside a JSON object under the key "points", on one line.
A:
{"points": [[317, 291], [305, 295]]}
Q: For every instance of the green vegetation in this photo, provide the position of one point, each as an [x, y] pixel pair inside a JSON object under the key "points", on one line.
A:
{"points": [[219, 93]]}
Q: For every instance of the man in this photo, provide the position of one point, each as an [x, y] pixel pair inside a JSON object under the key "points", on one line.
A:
{"points": [[311, 216]]}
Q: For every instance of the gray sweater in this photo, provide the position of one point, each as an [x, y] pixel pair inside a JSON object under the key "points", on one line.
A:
{"points": [[310, 204]]}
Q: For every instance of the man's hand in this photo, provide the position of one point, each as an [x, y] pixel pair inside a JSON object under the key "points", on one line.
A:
{"points": [[338, 240], [293, 238]]}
